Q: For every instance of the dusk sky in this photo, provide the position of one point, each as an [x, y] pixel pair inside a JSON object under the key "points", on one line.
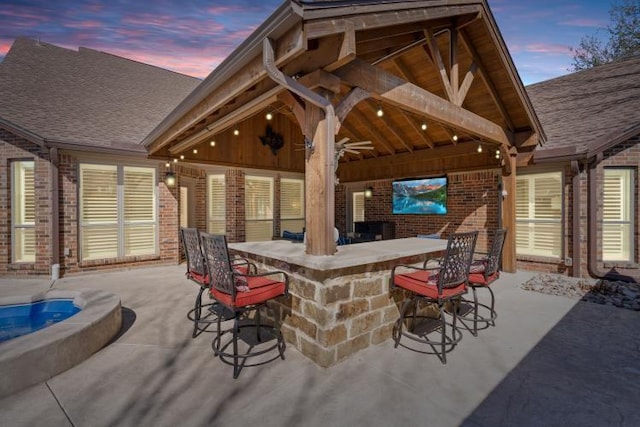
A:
{"points": [[193, 37]]}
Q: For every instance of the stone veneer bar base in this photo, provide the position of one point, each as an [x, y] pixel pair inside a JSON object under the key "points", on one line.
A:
{"points": [[341, 304]]}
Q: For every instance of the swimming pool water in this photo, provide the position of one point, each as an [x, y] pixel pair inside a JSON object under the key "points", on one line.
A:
{"points": [[21, 319]]}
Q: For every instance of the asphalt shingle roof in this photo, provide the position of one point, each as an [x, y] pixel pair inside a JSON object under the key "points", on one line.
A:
{"points": [[588, 106], [86, 97]]}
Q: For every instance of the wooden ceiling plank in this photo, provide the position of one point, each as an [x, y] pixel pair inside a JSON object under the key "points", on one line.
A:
{"points": [[390, 127], [421, 133], [289, 45], [482, 73], [241, 113], [407, 96], [432, 45], [371, 129]]}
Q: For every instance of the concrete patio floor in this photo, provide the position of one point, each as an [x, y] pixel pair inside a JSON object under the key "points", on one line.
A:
{"points": [[550, 361]]}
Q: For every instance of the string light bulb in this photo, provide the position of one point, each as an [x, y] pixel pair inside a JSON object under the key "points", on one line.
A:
{"points": [[424, 126], [167, 165], [497, 154], [236, 132], [175, 160], [212, 143], [195, 151], [181, 156], [269, 116], [379, 113], [455, 138], [479, 148]]}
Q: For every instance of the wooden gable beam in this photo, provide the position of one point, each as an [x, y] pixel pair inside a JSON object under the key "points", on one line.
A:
{"points": [[434, 52], [482, 73], [466, 84], [407, 96], [290, 45]]}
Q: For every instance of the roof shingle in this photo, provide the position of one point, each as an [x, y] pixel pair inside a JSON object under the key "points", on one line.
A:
{"points": [[86, 97]]}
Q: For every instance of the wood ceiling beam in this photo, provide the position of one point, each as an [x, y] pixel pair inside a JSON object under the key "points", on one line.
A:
{"points": [[402, 94], [482, 73], [353, 98], [434, 51], [290, 45]]}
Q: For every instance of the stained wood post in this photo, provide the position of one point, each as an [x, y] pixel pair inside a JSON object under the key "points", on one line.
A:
{"points": [[319, 179], [509, 263]]}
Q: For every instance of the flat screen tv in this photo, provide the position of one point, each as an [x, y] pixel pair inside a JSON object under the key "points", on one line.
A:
{"points": [[420, 196]]}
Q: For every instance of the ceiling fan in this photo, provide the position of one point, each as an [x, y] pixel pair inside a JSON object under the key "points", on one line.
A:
{"points": [[344, 146]]}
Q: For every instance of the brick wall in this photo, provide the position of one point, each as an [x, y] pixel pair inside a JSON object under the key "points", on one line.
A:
{"points": [[472, 204]]}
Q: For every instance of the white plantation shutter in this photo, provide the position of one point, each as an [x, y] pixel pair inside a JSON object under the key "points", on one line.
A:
{"points": [[117, 219], [616, 215], [216, 221], [539, 214], [99, 211], [358, 206], [23, 214], [292, 205], [258, 208], [139, 211]]}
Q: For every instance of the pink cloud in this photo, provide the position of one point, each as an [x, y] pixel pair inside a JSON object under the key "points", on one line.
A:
{"points": [[584, 22], [547, 48], [85, 24]]}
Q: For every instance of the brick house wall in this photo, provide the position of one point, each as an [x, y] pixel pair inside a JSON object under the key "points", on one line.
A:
{"points": [[472, 204], [12, 148], [625, 154]]}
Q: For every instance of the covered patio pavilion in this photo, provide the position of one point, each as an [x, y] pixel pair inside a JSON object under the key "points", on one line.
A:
{"points": [[430, 84]]}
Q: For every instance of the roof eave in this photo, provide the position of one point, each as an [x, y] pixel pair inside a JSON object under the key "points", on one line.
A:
{"points": [[21, 132], [287, 15]]}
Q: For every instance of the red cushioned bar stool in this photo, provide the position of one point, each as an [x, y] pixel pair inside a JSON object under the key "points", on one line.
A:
{"points": [[244, 295], [438, 286], [483, 272]]}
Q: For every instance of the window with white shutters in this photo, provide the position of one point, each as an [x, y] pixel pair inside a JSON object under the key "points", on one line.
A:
{"points": [[117, 211], [258, 208], [217, 207], [292, 205], [539, 214], [23, 211], [358, 206], [617, 214], [139, 211]]}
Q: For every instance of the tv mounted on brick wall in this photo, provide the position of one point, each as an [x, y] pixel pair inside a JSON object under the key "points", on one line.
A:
{"points": [[419, 196]]}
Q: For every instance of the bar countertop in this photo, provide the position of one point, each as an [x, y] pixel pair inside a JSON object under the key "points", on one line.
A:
{"points": [[346, 256]]}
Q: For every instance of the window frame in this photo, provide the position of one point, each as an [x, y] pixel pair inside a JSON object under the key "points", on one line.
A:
{"points": [[266, 219], [630, 214], [21, 225], [301, 217], [210, 219], [353, 207], [530, 222], [121, 223]]}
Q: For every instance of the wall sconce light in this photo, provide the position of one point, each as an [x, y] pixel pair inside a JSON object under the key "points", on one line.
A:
{"points": [[368, 192], [269, 116], [379, 113], [170, 179]]}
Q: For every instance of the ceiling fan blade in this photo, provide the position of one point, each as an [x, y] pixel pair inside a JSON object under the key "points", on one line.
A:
{"points": [[343, 140]]}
